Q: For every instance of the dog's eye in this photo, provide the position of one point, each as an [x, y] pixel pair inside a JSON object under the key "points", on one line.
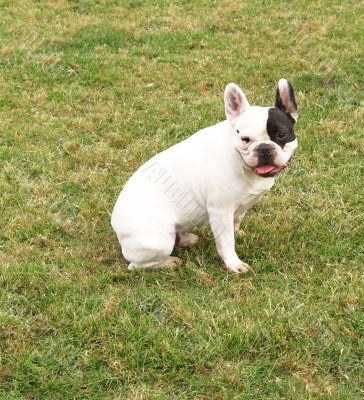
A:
{"points": [[237, 131], [281, 135], [245, 139]]}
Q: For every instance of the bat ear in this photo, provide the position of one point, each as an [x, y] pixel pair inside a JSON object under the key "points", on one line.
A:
{"points": [[235, 101], [285, 99]]}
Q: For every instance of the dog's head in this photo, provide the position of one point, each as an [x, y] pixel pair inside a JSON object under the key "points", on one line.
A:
{"points": [[263, 136]]}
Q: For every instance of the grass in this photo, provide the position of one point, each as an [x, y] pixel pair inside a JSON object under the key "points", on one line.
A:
{"points": [[89, 90]]}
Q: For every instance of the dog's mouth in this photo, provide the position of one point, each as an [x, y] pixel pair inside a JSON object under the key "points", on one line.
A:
{"points": [[268, 170]]}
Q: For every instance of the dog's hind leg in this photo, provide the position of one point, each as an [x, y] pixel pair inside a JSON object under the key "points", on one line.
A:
{"points": [[150, 250]]}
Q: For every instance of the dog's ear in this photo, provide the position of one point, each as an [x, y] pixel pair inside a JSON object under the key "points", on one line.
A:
{"points": [[235, 101], [285, 99]]}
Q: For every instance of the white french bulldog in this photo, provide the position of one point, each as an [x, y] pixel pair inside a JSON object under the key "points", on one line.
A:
{"points": [[212, 177]]}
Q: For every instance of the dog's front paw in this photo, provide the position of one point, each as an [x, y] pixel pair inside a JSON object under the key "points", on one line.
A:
{"points": [[239, 268], [186, 239]]}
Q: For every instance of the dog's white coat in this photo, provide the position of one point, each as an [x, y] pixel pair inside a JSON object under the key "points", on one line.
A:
{"points": [[207, 178]]}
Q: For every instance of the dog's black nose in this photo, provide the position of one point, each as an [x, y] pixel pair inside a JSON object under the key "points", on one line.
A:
{"points": [[265, 150]]}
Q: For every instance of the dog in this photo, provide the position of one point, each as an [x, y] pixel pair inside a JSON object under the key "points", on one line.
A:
{"points": [[213, 177]]}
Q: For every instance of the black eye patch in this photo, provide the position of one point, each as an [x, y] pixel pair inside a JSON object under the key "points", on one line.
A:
{"points": [[280, 127]]}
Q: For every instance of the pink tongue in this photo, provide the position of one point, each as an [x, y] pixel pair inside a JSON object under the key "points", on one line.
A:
{"points": [[264, 169]]}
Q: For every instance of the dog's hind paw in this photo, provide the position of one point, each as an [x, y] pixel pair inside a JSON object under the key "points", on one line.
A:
{"points": [[169, 262]]}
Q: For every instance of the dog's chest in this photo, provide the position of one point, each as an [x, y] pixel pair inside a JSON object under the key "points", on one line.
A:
{"points": [[248, 201], [251, 193]]}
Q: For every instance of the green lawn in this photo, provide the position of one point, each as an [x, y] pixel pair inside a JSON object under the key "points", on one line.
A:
{"points": [[91, 89]]}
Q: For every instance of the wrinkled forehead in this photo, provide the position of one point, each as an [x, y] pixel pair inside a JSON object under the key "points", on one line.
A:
{"points": [[253, 121], [264, 123]]}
